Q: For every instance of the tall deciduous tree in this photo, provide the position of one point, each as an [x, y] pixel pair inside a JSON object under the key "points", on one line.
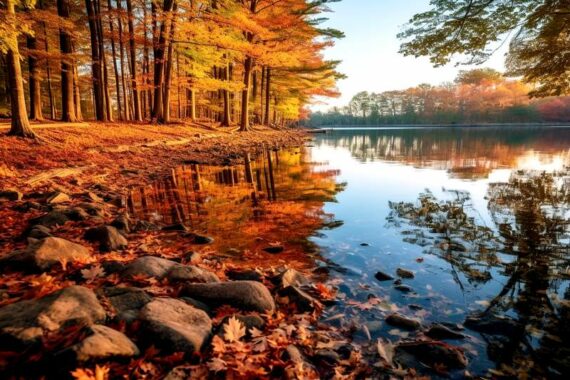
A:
{"points": [[66, 46]]}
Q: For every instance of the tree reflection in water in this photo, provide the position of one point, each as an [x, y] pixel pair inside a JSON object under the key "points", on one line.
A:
{"points": [[529, 245]]}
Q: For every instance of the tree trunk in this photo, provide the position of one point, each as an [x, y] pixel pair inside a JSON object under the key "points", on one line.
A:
{"points": [[67, 102], [101, 40], [192, 99], [114, 55], [267, 94], [168, 69], [226, 120], [34, 81], [247, 66], [48, 73], [132, 52], [96, 69], [20, 124], [158, 107], [261, 97], [126, 101]]}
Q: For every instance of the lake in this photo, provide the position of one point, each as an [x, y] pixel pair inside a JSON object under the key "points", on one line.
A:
{"points": [[479, 216]]}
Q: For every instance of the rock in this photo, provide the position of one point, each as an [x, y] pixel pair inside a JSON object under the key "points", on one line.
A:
{"points": [[364, 245], [302, 301], [143, 225], [328, 357], [403, 288], [24, 323], [57, 198], [102, 343], [159, 268], [438, 331], [291, 277], [91, 209], [292, 353], [381, 276], [122, 223], [248, 321], [197, 304], [11, 195], [190, 273], [434, 352], [402, 321], [192, 257], [108, 237], [51, 219], [202, 240], [149, 266], [274, 249], [244, 295], [113, 266], [493, 324], [76, 214], [39, 232], [127, 301], [175, 325], [333, 224], [415, 306], [404, 273], [46, 253], [244, 275]]}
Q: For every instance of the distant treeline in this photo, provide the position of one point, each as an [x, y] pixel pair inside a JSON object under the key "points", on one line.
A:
{"points": [[476, 96]]}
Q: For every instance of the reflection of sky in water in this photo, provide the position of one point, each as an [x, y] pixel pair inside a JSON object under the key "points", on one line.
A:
{"points": [[389, 168]]}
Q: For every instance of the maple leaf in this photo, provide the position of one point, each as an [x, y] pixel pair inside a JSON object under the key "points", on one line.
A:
{"points": [[260, 344], [92, 273], [100, 373], [217, 365], [325, 292], [234, 330], [386, 351], [218, 345]]}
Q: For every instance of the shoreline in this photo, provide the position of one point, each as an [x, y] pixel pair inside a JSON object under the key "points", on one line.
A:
{"points": [[434, 126]]}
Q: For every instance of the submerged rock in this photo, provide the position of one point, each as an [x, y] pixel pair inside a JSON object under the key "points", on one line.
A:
{"points": [[493, 324], [108, 237], [438, 331], [402, 321], [403, 288], [24, 323], [302, 301], [174, 325], [244, 295], [381, 276], [404, 273], [45, 253], [434, 352], [103, 342]]}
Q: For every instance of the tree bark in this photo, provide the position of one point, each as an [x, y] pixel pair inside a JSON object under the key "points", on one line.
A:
{"points": [[168, 69], [126, 102], [77, 95], [267, 94], [247, 68], [20, 125], [158, 109], [67, 102], [133, 68], [114, 55], [34, 81], [96, 68], [48, 73]]}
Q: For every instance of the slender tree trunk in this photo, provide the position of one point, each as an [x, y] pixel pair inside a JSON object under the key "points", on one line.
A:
{"points": [[114, 55], [192, 99], [168, 68], [267, 94], [77, 94], [126, 101], [67, 102], [248, 64], [261, 97], [34, 81], [20, 125], [96, 69], [101, 40], [48, 73], [178, 92], [159, 55], [226, 120], [133, 58], [146, 65]]}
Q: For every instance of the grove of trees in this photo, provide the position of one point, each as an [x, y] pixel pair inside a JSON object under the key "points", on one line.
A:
{"points": [[475, 97], [228, 61]]}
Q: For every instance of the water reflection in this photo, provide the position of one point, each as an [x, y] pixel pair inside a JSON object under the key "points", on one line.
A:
{"points": [[467, 153], [244, 207]]}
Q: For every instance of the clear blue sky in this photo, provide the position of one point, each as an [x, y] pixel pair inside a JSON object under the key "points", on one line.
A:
{"points": [[370, 49]]}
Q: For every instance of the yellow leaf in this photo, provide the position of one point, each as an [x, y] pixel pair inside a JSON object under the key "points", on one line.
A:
{"points": [[234, 330]]}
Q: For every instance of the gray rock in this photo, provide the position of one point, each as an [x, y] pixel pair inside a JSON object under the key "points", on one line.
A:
{"points": [[291, 277], [143, 225], [11, 195], [127, 301], [190, 273], [404, 273], [175, 325], [102, 343], [108, 237], [438, 331], [244, 295], [244, 275], [434, 352], [381, 276], [403, 288], [302, 301], [92, 209], [402, 321], [197, 304], [51, 219], [58, 197], [39, 232], [493, 324], [122, 223], [23, 323], [46, 253]]}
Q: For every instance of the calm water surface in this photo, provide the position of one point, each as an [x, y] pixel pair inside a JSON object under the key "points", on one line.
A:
{"points": [[481, 216]]}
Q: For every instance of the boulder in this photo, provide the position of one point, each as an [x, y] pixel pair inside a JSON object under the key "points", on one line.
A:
{"points": [[175, 325], [103, 342], [404, 273], [159, 268], [244, 275], [51, 219], [190, 273], [108, 237], [493, 324], [122, 223], [24, 323], [39, 232], [243, 295], [439, 331], [45, 253], [127, 301], [197, 304], [399, 320]]}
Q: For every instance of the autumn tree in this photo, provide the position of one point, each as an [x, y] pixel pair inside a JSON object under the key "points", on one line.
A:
{"points": [[538, 52]]}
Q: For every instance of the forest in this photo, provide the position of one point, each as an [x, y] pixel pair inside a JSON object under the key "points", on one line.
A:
{"points": [[227, 61], [477, 96]]}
